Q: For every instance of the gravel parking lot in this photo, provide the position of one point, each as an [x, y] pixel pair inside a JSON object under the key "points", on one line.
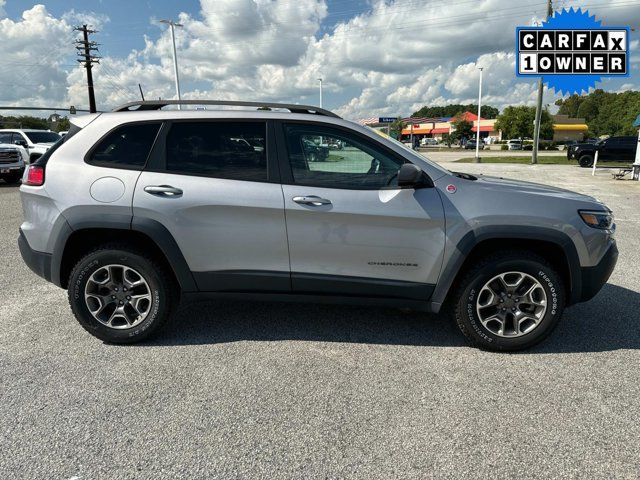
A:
{"points": [[261, 390]]}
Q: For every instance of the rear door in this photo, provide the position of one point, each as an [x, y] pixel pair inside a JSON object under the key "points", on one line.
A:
{"points": [[610, 150], [215, 187], [351, 229]]}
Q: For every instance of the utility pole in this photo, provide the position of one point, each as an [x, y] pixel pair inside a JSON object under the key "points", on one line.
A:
{"points": [[172, 25], [85, 49], [536, 126], [320, 80], [479, 110]]}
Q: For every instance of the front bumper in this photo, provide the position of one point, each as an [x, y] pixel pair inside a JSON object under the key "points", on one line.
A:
{"points": [[38, 262], [593, 278]]}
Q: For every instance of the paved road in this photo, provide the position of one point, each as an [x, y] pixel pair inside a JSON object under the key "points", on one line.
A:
{"points": [[241, 390]]}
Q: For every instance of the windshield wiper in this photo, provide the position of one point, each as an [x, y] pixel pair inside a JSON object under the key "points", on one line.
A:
{"points": [[466, 176]]}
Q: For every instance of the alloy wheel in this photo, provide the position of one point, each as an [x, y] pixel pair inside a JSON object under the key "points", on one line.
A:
{"points": [[511, 304], [118, 296]]}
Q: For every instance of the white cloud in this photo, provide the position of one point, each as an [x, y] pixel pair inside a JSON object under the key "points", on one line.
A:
{"points": [[391, 59]]}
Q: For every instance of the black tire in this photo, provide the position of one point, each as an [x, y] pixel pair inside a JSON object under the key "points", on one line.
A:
{"points": [[586, 161], [468, 289], [313, 157], [163, 291]]}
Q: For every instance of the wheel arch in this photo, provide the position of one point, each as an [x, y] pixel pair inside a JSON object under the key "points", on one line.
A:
{"points": [[554, 246], [146, 234]]}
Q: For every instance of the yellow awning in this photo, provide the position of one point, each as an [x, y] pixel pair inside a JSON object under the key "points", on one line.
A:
{"points": [[570, 127]]}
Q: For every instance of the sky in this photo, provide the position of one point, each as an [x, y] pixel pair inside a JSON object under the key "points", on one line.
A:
{"points": [[376, 57]]}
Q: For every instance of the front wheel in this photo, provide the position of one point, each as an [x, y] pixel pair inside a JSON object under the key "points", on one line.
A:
{"points": [[509, 301], [586, 161], [121, 295]]}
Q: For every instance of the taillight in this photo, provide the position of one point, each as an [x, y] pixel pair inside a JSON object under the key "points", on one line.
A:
{"points": [[35, 175]]}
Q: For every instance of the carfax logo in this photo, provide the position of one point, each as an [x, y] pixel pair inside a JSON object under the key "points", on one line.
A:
{"points": [[572, 51]]}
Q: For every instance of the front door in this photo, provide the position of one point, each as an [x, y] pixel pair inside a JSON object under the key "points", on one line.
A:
{"points": [[213, 189], [351, 229]]}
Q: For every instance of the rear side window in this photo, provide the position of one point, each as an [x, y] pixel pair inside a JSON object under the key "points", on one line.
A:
{"points": [[127, 146], [229, 150]]}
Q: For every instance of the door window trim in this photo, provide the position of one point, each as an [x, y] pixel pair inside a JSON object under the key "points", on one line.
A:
{"points": [[287, 171], [157, 161]]}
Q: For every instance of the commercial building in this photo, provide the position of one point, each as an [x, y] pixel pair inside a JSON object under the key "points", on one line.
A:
{"points": [[439, 127], [565, 128]]}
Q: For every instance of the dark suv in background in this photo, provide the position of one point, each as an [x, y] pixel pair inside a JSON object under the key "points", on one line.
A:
{"points": [[612, 149]]}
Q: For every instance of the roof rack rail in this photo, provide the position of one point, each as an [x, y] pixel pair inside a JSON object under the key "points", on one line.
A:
{"points": [[158, 104]]}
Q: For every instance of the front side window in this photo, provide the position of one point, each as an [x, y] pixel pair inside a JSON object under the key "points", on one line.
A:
{"points": [[333, 158], [230, 150], [127, 146]]}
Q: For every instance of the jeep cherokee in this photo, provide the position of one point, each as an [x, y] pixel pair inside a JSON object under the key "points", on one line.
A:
{"points": [[137, 208]]}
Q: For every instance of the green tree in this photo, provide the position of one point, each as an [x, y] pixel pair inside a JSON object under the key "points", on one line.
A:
{"points": [[606, 113], [453, 109], [463, 129], [62, 125], [24, 121], [546, 126], [395, 129], [517, 122]]}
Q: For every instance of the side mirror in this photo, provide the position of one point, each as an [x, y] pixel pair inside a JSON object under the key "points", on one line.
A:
{"points": [[409, 175], [22, 143]]}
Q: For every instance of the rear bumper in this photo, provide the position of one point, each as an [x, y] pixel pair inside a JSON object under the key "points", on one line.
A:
{"points": [[593, 278], [38, 262]]}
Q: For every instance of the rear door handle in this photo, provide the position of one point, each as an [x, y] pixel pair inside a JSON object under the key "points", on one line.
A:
{"points": [[312, 200], [163, 190]]}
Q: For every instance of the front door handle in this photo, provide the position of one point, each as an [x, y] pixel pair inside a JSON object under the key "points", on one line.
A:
{"points": [[163, 190], [312, 200]]}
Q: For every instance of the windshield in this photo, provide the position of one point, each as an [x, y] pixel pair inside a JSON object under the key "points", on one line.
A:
{"points": [[42, 137]]}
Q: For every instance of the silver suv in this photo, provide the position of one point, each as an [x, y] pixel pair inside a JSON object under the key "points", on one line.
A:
{"points": [[140, 207]]}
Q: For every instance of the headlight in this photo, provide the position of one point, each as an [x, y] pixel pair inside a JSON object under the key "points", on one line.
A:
{"points": [[597, 219]]}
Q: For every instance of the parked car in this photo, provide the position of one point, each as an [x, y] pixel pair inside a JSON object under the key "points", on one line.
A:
{"points": [[471, 145], [136, 209], [12, 162], [335, 145], [36, 142], [315, 152], [514, 144], [428, 142], [612, 149]]}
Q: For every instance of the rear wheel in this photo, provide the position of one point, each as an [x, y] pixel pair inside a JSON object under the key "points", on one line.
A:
{"points": [[586, 161], [509, 301], [121, 295]]}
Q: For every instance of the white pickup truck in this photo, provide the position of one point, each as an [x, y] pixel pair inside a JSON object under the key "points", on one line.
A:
{"points": [[36, 142]]}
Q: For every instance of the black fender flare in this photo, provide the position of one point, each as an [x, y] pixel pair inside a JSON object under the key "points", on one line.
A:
{"points": [[507, 232], [151, 228]]}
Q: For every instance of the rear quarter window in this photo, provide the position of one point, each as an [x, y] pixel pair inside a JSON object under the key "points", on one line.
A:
{"points": [[127, 146]]}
